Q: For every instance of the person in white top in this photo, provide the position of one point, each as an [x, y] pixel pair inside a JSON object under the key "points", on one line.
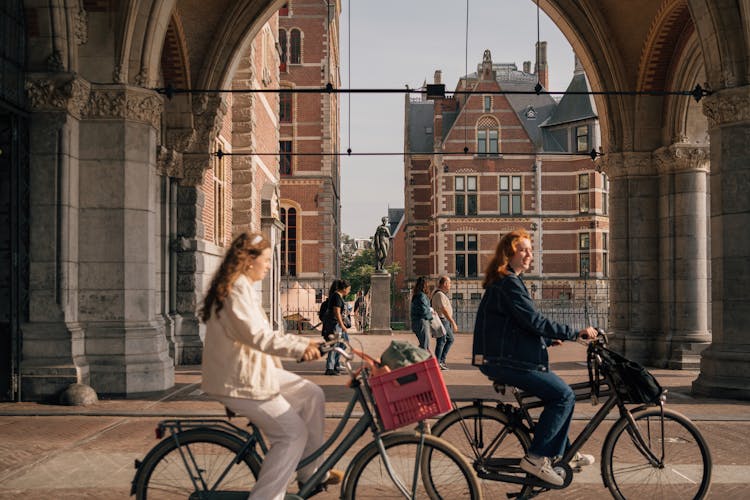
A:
{"points": [[242, 369], [441, 302]]}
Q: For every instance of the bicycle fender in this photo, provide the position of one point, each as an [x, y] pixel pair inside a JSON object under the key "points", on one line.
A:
{"points": [[610, 434], [177, 436]]}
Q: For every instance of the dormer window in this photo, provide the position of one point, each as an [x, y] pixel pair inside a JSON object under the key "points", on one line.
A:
{"points": [[530, 113]]}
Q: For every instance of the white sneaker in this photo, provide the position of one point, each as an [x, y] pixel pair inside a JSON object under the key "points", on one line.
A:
{"points": [[542, 468], [581, 460]]}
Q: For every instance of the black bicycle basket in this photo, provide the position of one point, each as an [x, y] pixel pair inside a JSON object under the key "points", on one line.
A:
{"points": [[632, 381]]}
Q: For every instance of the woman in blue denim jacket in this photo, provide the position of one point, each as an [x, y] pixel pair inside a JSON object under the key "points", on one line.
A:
{"points": [[420, 313], [510, 345]]}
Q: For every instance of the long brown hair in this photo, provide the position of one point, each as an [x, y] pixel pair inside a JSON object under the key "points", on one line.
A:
{"points": [[241, 254], [506, 249], [419, 286]]}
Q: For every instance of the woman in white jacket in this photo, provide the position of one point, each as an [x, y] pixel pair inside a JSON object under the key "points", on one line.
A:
{"points": [[242, 370]]}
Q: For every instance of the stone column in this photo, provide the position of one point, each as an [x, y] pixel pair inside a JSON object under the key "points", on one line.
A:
{"points": [[125, 339], [53, 346], [634, 277], [683, 255], [380, 303], [197, 259], [725, 365]]}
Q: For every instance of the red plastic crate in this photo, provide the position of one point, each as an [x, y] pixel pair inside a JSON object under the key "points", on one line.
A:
{"points": [[410, 394]]}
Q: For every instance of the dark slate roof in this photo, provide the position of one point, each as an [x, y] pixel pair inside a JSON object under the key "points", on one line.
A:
{"points": [[573, 107], [394, 218], [542, 104], [449, 118], [420, 131], [550, 144]]}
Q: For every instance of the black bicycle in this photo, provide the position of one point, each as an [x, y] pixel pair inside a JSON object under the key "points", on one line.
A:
{"points": [[215, 459], [650, 452]]}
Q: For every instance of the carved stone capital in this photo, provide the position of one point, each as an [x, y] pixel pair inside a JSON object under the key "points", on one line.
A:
{"points": [[169, 162], [180, 139], [80, 27], [682, 158], [61, 92], [727, 106], [193, 166], [628, 164], [209, 111], [127, 103]]}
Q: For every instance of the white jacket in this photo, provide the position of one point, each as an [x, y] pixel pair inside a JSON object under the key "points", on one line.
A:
{"points": [[240, 347]]}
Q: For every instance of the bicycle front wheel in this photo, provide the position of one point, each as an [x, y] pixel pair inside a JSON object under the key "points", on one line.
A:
{"points": [[203, 465], [424, 466], [669, 461], [482, 434]]}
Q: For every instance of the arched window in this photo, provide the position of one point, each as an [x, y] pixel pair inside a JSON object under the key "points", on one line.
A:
{"points": [[488, 136], [289, 242], [282, 50], [295, 49]]}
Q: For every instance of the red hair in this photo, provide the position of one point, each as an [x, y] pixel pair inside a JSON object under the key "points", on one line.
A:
{"points": [[506, 249]]}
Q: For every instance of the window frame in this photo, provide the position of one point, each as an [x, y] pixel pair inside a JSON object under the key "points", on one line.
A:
{"points": [[286, 102], [286, 158], [582, 138], [465, 197], [511, 195], [219, 178], [466, 255], [289, 255], [295, 46]]}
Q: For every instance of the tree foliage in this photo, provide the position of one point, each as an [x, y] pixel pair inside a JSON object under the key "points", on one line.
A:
{"points": [[358, 268]]}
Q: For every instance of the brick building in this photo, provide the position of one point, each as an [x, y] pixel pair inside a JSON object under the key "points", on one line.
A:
{"points": [[308, 126], [482, 164]]}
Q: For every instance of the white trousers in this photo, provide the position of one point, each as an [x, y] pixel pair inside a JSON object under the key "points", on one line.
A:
{"points": [[293, 425]]}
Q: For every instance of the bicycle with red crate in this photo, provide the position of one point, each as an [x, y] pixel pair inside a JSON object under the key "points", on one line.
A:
{"points": [[213, 458]]}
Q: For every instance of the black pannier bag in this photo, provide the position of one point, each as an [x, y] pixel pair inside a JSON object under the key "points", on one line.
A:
{"points": [[632, 381]]}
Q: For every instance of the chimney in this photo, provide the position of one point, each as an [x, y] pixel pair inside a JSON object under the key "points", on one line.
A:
{"points": [[578, 67], [541, 64], [527, 67], [438, 76]]}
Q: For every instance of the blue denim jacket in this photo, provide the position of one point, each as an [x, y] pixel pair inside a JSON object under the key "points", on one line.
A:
{"points": [[510, 331], [420, 308]]}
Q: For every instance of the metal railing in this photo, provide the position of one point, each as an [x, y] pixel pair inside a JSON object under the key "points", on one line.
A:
{"points": [[577, 303]]}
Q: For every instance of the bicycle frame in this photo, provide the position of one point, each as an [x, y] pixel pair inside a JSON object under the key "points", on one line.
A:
{"points": [[520, 417], [253, 440]]}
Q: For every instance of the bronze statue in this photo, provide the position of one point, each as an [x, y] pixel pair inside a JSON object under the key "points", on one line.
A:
{"points": [[381, 242]]}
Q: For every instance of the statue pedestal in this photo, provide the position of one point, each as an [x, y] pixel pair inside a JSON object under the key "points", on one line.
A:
{"points": [[380, 303]]}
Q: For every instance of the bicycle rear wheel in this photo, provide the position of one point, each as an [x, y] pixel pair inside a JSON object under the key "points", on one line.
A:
{"points": [[204, 464], [440, 472], [482, 434], [682, 469]]}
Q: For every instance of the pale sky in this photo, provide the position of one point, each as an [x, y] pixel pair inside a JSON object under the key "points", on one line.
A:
{"points": [[395, 43]]}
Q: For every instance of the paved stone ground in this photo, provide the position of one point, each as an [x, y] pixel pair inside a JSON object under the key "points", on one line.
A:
{"points": [[57, 452]]}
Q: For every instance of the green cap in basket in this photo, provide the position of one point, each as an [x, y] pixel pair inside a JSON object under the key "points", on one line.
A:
{"points": [[401, 353]]}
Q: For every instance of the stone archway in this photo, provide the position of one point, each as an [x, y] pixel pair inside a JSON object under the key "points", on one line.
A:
{"points": [[119, 122]]}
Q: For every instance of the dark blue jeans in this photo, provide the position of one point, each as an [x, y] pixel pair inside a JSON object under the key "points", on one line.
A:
{"points": [[551, 433], [445, 342], [421, 329], [333, 357]]}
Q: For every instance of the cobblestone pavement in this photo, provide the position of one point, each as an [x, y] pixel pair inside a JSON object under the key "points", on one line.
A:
{"points": [[57, 452]]}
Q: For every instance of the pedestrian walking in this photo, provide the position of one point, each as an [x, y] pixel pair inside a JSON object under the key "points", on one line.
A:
{"points": [[441, 303]]}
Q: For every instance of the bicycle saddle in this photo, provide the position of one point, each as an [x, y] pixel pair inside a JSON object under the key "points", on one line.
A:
{"points": [[499, 387]]}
